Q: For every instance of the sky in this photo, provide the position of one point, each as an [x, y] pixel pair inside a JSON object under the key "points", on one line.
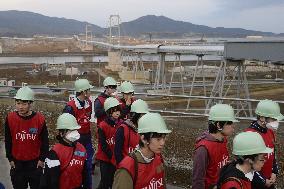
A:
{"points": [[261, 15]]}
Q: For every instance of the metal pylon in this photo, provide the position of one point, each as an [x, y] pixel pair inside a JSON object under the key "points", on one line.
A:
{"points": [[135, 61], [139, 66], [178, 63], [238, 82], [218, 85], [160, 79], [243, 91], [197, 66]]}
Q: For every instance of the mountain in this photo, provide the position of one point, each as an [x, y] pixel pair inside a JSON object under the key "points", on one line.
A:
{"points": [[163, 25], [26, 24]]}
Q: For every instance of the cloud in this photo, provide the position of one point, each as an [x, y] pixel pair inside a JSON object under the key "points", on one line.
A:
{"points": [[248, 4], [262, 18], [250, 14]]}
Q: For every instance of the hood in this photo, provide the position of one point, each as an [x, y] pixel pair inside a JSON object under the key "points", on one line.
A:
{"points": [[110, 121], [130, 124], [254, 125], [230, 170], [206, 136], [104, 95]]}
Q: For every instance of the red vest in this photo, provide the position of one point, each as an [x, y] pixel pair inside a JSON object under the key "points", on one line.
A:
{"points": [[131, 140], [82, 115], [243, 184], [102, 100], [148, 176], [109, 132], [71, 165], [123, 105], [26, 141], [269, 139], [218, 156]]}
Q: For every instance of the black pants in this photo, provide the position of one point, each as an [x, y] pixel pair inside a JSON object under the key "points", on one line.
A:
{"points": [[25, 173], [107, 174]]}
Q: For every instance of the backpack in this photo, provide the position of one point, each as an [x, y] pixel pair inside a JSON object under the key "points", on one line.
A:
{"points": [[132, 155]]}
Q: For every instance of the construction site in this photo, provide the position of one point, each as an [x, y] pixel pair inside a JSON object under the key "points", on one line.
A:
{"points": [[181, 83]]}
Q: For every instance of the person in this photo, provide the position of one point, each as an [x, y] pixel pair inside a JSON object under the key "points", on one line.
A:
{"points": [[110, 91], [211, 152], [144, 168], [65, 164], [81, 108], [127, 99], [106, 133], [268, 114], [26, 141], [249, 150], [126, 136]]}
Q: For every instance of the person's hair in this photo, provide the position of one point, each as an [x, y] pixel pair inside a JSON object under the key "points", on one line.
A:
{"points": [[134, 117], [61, 132], [79, 93], [132, 93], [113, 109], [212, 125], [24, 101], [258, 117], [241, 159], [148, 136], [111, 87]]}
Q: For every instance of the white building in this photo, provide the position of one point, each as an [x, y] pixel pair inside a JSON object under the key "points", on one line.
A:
{"points": [[5, 82]]}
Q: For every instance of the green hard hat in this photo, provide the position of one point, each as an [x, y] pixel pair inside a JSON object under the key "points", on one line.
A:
{"points": [[110, 103], [82, 85], [109, 81], [268, 108], [67, 121], [249, 143], [139, 106], [25, 93], [152, 122], [222, 112], [126, 87]]}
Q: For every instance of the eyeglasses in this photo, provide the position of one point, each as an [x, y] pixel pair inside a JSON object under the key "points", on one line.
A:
{"points": [[112, 86]]}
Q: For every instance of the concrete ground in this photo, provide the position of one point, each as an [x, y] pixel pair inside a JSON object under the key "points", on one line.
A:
{"points": [[5, 169]]}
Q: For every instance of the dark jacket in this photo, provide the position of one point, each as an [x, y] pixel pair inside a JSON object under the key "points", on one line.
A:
{"points": [[259, 179], [99, 108], [229, 171], [51, 176], [200, 162]]}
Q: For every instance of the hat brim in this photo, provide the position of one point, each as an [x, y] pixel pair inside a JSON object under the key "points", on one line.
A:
{"points": [[128, 92], [280, 117], [76, 127], [267, 151], [166, 132], [235, 121], [148, 131]]}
